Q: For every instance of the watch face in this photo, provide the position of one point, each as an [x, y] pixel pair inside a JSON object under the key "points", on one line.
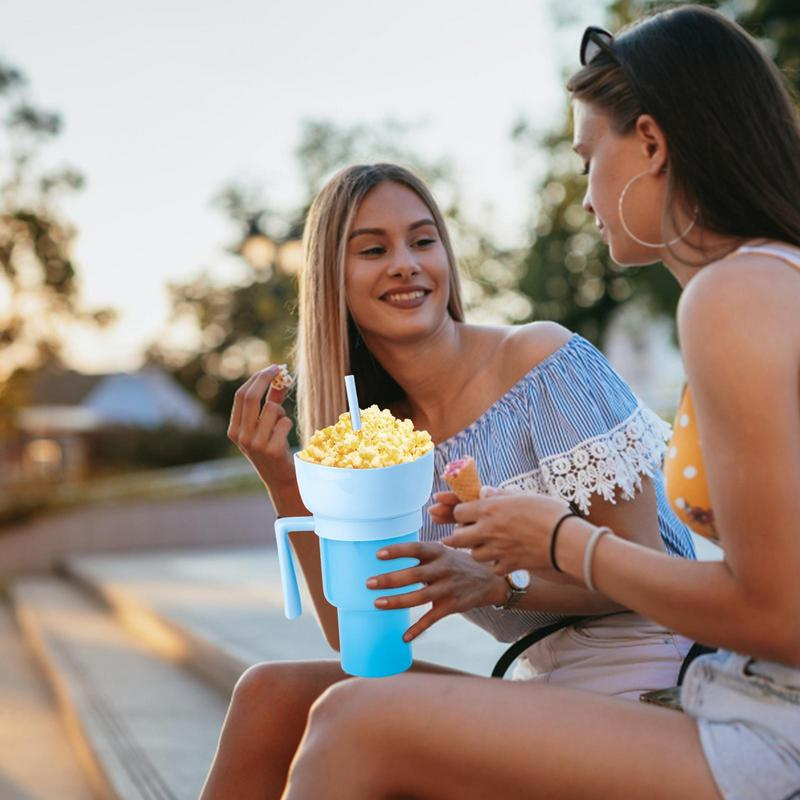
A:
{"points": [[519, 578]]}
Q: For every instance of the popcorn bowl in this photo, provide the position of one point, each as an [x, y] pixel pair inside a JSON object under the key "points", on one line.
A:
{"points": [[356, 512]]}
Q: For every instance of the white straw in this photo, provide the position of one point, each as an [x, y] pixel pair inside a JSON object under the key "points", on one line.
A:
{"points": [[352, 401]]}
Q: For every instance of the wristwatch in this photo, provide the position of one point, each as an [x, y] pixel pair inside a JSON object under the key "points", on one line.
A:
{"points": [[518, 582]]}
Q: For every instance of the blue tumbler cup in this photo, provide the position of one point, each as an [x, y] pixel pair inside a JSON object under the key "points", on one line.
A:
{"points": [[356, 512]]}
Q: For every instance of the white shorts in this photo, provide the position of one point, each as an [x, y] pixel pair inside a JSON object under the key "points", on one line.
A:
{"points": [[748, 716], [619, 654]]}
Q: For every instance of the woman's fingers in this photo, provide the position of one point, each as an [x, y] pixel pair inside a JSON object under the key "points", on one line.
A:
{"points": [[421, 550], [424, 572], [484, 554], [410, 599], [400, 577], [275, 395], [278, 441], [238, 405], [465, 513], [425, 621], [441, 514], [465, 537], [447, 498], [253, 397]]}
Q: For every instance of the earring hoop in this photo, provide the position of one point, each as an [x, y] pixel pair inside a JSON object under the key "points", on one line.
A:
{"points": [[632, 235]]}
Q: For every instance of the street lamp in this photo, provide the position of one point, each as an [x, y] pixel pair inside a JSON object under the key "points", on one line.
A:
{"points": [[263, 253]]}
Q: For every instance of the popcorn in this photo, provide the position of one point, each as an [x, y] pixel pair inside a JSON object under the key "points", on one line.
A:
{"points": [[382, 442], [284, 379]]}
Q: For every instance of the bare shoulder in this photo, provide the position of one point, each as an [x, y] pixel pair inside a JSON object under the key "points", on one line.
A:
{"points": [[732, 307], [525, 346], [762, 284]]}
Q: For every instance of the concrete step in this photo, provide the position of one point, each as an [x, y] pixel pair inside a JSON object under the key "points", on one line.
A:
{"points": [[37, 761], [144, 728], [219, 611]]}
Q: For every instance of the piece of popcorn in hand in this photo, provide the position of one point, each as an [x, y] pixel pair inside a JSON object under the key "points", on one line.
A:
{"points": [[284, 379]]}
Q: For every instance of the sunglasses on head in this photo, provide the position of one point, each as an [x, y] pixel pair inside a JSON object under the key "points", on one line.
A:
{"points": [[599, 40], [595, 41]]}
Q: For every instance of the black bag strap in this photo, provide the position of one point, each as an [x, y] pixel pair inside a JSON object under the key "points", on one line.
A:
{"points": [[695, 650], [523, 643]]}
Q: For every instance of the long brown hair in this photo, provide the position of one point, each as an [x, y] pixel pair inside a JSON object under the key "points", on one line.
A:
{"points": [[730, 121], [329, 344]]}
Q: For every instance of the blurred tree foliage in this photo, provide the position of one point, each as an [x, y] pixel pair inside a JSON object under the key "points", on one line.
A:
{"points": [[246, 326], [567, 273], [38, 281]]}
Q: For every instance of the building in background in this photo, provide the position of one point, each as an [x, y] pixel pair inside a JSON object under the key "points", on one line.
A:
{"points": [[69, 412]]}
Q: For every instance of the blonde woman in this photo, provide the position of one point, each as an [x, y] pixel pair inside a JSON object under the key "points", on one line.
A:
{"points": [[537, 407], [691, 144]]}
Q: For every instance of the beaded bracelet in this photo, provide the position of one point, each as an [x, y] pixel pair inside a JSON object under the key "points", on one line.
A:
{"points": [[553, 537]]}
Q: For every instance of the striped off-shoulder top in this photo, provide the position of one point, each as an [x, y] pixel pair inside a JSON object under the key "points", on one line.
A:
{"points": [[571, 428]]}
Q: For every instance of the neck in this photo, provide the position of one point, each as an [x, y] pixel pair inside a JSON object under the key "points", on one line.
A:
{"points": [[686, 258], [431, 371]]}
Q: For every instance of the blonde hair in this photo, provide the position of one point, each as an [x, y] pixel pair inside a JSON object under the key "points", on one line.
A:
{"points": [[329, 345]]}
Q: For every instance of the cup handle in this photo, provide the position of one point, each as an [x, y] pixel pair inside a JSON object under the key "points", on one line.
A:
{"points": [[291, 592]]}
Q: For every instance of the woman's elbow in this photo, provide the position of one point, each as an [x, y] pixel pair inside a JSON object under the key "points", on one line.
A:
{"points": [[778, 636]]}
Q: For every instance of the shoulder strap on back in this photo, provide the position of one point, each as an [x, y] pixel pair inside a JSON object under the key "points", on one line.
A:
{"points": [[789, 256]]}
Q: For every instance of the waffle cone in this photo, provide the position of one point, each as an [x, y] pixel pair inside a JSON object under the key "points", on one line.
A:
{"points": [[466, 483]]}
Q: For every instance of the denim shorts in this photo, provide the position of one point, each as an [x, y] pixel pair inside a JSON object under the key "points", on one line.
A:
{"points": [[748, 716]]}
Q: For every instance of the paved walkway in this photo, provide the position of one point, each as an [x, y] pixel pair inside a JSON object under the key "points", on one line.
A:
{"points": [[40, 544], [232, 597], [37, 761]]}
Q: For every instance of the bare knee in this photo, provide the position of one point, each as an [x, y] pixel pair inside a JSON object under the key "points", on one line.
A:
{"points": [[259, 685], [269, 691], [358, 712], [340, 702], [347, 730]]}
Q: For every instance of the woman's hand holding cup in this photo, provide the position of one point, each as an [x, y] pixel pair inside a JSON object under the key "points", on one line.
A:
{"points": [[451, 581]]}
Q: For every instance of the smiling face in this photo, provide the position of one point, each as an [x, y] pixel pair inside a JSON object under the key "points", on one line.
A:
{"points": [[611, 161], [396, 268]]}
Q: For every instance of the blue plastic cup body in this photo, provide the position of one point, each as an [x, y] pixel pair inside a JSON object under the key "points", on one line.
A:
{"points": [[370, 639], [355, 513]]}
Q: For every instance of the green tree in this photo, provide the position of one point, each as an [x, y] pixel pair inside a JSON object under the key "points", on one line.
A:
{"points": [[566, 271], [39, 291]]}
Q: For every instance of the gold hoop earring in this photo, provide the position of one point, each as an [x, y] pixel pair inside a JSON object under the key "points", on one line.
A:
{"points": [[632, 235]]}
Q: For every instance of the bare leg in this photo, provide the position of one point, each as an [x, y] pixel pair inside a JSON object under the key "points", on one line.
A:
{"points": [[265, 721], [417, 736]]}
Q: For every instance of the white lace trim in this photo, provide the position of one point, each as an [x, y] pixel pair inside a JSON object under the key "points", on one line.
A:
{"points": [[613, 460]]}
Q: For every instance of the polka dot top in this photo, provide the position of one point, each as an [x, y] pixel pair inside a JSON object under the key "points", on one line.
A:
{"points": [[684, 470], [685, 474]]}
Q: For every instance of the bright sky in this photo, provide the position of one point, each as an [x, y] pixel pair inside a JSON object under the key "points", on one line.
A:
{"points": [[165, 101]]}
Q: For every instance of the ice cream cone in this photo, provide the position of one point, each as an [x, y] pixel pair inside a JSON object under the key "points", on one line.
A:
{"points": [[462, 477]]}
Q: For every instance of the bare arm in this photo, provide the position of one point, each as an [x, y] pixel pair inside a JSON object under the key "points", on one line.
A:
{"points": [[635, 520], [261, 434], [745, 384]]}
